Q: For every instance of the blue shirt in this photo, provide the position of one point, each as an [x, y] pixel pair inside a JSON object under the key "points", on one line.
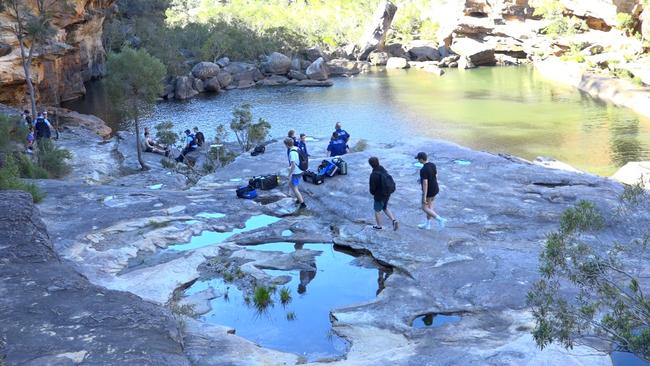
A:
{"points": [[302, 146], [337, 147], [343, 134]]}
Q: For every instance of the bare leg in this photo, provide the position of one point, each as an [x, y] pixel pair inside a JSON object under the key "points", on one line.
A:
{"points": [[378, 218], [389, 214], [296, 192], [428, 209]]}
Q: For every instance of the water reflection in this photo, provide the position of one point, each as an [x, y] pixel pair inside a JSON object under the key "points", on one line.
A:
{"points": [[511, 110]]}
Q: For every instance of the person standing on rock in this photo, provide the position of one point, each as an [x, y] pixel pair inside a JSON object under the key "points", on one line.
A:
{"points": [[381, 187], [429, 182], [302, 144], [27, 118], [342, 134], [198, 135], [295, 173]]}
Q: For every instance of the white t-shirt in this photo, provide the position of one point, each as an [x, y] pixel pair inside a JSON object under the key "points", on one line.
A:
{"points": [[295, 158]]}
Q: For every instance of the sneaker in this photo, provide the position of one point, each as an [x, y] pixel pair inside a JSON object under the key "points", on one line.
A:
{"points": [[425, 225], [377, 227], [441, 221], [302, 206], [395, 225]]}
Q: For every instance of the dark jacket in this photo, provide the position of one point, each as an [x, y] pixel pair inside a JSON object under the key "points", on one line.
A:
{"points": [[199, 138], [337, 147], [376, 186], [41, 129]]}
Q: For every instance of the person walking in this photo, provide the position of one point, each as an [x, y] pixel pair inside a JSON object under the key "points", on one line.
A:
{"points": [[295, 173], [41, 128], [429, 183], [381, 187]]}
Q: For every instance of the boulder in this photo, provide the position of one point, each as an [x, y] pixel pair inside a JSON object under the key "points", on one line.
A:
{"points": [[598, 14], [318, 70], [645, 23], [297, 75], [345, 52], [473, 52], [474, 27], [205, 70], [477, 8], [296, 64], [224, 79], [223, 62], [375, 35], [5, 49], [397, 63], [212, 85], [168, 90], [273, 80], [197, 84], [244, 75], [277, 64], [378, 58], [314, 53], [396, 50], [309, 82], [69, 118], [447, 61], [466, 63], [421, 51], [344, 67], [634, 172], [433, 69], [184, 88]]}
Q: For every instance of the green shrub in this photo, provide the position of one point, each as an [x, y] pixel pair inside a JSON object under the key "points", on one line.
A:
{"points": [[165, 135], [285, 295], [625, 23], [248, 134], [262, 297], [53, 159], [27, 168], [9, 179]]}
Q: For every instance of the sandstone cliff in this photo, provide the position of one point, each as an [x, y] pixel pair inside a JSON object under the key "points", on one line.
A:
{"points": [[75, 55]]}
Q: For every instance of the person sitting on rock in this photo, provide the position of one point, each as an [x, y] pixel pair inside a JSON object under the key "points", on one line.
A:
{"points": [[337, 146], [380, 190], [190, 145], [41, 128], [149, 145], [302, 143], [198, 135]]}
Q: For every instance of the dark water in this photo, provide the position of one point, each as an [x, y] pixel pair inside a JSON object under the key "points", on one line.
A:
{"points": [[510, 110], [434, 320], [339, 280]]}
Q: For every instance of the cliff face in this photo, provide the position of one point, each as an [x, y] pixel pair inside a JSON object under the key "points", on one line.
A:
{"points": [[75, 55]]}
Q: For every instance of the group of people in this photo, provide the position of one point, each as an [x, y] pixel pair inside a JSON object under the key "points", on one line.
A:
{"points": [[192, 142], [38, 129], [381, 184]]}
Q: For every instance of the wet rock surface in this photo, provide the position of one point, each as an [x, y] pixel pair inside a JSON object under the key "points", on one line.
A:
{"points": [[125, 235], [51, 315]]}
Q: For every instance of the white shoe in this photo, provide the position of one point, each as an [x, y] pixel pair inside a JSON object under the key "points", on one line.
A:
{"points": [[441, 222], [425, 225]]}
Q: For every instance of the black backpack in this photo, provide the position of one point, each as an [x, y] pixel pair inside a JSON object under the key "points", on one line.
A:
{"points": [[259, 149], [387, 184], [303, 160]]}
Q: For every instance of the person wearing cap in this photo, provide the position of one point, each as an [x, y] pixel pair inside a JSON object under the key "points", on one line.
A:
{"points": [[190, 145], [429, 182]]}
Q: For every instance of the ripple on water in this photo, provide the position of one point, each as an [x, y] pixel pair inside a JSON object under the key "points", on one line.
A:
{"points": [[337, 281]]}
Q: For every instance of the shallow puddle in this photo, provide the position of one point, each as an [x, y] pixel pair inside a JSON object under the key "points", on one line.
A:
{"points": [[301, 326], [627, 359], [211, 215], [207, 238], [462, 162], [155, 186], [434, 320]]}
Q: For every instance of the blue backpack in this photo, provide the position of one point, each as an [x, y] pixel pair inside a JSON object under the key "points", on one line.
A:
{"points": [[246, 192]]}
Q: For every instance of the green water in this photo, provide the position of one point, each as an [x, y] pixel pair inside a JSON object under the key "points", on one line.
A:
{"points": [[501, 110]]}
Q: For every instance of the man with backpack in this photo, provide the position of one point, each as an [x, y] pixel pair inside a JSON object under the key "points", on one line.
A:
{"points": [[382, 186], [190, 145], [429, 182], [41, 128], [298, 163]]}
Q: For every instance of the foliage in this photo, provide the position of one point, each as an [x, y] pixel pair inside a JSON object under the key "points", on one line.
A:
{"points": [[585, 288], [285, 295], [27, 168], [262, 297], [574, 53], [558, 25], [248, 134], [291, 315], [413, 20], [9, 179], [53, 159], [165, 135], [625, 23], [133, 84]]}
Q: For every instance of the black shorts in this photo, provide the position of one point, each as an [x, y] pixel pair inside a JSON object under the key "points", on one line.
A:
{"points": [[381, 204]]}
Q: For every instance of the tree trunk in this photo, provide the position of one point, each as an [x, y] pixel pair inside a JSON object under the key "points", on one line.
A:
{"points": [[27, 66], [138, 144]]}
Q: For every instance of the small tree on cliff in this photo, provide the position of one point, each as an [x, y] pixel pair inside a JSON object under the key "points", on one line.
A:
{"points": [[248, 134], [133, 84], [586, 289], [31, 27]]}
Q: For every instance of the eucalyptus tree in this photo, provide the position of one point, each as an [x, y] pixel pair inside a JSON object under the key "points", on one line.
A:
{"points": [[134, 82]]}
